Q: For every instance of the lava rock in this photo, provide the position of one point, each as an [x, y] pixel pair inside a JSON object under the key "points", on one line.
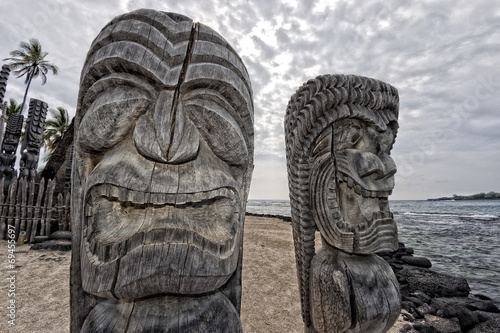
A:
{"points": [[472, 304], [61, 234], [490, 326], [443, 325], [39, 239], [433, 283], [422, 296], [408, 306], [466, 317], [485, 316], [424, 328], [480, 305], [425, 309], [60, 246], [417, 261]]}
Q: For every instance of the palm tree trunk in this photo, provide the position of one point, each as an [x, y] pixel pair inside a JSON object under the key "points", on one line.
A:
{"points": [[26, 93]]}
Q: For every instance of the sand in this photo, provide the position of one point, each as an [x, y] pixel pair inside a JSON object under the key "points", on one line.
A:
{"points": [[270, 301]]}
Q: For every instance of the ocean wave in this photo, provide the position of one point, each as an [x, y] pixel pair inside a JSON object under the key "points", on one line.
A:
{"points": [[487, 217]]}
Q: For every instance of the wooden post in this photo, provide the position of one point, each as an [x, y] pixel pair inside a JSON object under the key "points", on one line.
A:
{"points": [[17, 203], [11, 199], [41, 188], [3, 226], [31, 198], [24, 203], [48, 205], [60, 211], [67, 211]]}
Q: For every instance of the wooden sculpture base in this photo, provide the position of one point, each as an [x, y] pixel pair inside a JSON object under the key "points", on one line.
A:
{"points": [[352, 293], [210, 313]]}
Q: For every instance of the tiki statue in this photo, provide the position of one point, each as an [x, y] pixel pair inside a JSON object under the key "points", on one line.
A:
{"points": [[9, 148], [163, 157], [30, 149], [4, 75], [339, 132]]}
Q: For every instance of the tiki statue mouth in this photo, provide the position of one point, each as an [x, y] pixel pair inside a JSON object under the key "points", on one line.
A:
{"points": [[354, 177], [119, 220]]}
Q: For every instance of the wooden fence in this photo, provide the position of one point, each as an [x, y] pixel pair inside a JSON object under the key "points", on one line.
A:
{"points": [[28, 206]]}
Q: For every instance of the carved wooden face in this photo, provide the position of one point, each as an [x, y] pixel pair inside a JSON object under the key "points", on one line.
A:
{"points": [[355, 176], [12, 133], [163, 171]]}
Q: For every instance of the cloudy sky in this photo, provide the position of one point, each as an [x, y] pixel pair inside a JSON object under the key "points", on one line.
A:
{"points": [[443, 56]]}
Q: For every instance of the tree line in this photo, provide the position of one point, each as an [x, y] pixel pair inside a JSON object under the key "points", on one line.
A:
{"points": [[478, 196], [29, 61]]}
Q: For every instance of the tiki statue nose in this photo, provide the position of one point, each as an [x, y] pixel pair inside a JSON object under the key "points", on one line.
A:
{"points": [[168, 135]]}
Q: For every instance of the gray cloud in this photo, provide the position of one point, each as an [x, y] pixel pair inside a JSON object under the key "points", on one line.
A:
{"points": [[443, 56]]}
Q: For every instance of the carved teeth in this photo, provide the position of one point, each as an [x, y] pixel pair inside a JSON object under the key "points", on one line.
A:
{"points": [[382, 215], [357, 189], [125, 196]]}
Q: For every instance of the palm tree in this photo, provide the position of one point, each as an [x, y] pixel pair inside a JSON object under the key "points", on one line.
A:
{"points": [[30, 60], [55, 128], [11, 108]]}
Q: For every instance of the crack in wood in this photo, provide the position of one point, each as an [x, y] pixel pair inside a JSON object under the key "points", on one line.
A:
{"points": [[177, 92]]}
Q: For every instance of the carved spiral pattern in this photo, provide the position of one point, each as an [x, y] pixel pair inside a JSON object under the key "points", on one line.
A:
{"points": [[4, 75], [316, 105]]}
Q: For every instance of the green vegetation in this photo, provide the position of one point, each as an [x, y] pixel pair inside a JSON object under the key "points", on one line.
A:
{"points": [[10, 108], [30, 60], [54, 129], [479, 196]]}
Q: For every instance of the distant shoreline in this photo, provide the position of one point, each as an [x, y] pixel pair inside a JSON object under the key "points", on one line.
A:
{"points": [[453, 199], [478, 196]]}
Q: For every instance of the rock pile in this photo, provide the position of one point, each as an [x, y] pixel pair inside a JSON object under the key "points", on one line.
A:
{"points": [[59, 240], [438, 302]]}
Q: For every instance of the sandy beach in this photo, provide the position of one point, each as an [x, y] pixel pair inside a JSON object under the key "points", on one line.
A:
{"points": [[270, 301]]}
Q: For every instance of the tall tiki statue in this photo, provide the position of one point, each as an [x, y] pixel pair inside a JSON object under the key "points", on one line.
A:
{"points": [[339, 133], [4, 75], [9, 148], [30, 149], [162, 163]]}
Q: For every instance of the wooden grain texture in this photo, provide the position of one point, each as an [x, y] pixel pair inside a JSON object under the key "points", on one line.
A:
{"points": [[165, 314], [339, 130], [162, 164], [351, 293], [30, 148]]}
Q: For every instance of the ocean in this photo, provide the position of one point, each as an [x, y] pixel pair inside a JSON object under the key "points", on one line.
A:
{"points": [[461, 238]]}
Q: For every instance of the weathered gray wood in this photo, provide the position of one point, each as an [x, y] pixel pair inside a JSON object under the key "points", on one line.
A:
{"points": [[29, 214], [3, 210], [32, 138], [48, 208], [23, 203], [60, 211], [18, 204], [11, 199], [9, 148], [339, 131], [351, 293], [162, 165], [38, 210], [67, 210]]}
